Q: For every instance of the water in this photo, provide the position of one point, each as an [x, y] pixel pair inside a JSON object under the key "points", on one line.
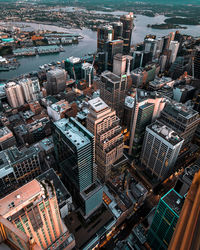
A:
{"points": [[89, 43]]}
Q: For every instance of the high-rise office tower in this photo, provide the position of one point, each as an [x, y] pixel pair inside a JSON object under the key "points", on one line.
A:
{"points": [[119, 64], [173, 46], [162, 63], [34, 210], [75, 151], [118, 30], [161, 147], [127, 21], [12, 236], [137, 59], [114, 47], [73, 67], [165, 220], [14, 94], [31, 88], [56, 81], [104, 124], [197, 64], [18, 167], [146, 107], [186, 235], [182, 119], [113, 90], [159, 46], [105, 34], [138, 77], [150, 45]]}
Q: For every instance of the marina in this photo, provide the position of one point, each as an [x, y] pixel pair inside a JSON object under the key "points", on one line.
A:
{"points": [[38, 50]]}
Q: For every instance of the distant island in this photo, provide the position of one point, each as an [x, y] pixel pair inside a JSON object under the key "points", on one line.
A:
{"points": [[180, 20], [164, 26]]}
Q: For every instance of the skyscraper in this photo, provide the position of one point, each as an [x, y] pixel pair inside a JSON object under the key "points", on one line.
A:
{"points": [[118, 30], [127, 21], [119, 64], [12, 236], [114, 47], [146, 107], [104, 124], [150, 45], [56, 81], [165, 220], [161, 147], [34, 210], [197, 64], [14, 94], [74, 146], [31, 88], [173, 46], [113, 90], [105, 34], [186, 235], [182, 119]]}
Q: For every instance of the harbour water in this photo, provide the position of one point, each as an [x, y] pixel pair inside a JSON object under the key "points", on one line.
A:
{"points": [[88, 44]]}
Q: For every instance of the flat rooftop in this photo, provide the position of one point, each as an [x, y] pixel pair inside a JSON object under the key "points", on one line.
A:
{"points": [[74, 132], [178, 109], [174, 201], [165, 132], [97, 104], [4, 131], [5, 167], [18, 197], [111, 76]]}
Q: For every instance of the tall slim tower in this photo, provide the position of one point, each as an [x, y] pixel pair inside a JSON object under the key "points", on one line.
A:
{"points": [[173, 46], [127, 21], [165, 220], [14, 94], [114, 47], [147, 107], [104, 124], [75, 151], [34, 210]]}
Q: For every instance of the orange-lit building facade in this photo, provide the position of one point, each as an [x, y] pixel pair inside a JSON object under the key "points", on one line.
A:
{"points": [[187, 232], [34, 210], [104, 124]]}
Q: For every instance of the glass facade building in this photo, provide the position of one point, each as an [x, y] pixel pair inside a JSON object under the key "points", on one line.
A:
{"points": [[165, 219]]}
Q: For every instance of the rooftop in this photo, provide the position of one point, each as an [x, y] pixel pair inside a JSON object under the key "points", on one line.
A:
{"points": [[74, 132], [165, 132], [111, 76], [97, 104], [60, 106], [4, 131], [174, 201], [129, 101], [178, 109], [18, 197]]}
